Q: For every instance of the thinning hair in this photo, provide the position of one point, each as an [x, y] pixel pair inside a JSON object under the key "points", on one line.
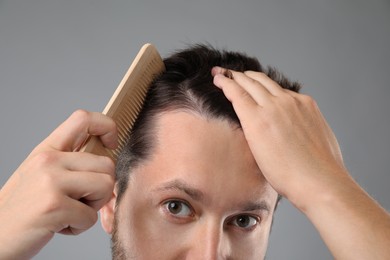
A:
{"points": [[187, 84]]}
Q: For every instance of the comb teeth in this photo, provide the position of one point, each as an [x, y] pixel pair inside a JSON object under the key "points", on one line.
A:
{"points": [[127, 100]]}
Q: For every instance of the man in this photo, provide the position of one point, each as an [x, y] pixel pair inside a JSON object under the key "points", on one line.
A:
{"points": [[201, 174]]}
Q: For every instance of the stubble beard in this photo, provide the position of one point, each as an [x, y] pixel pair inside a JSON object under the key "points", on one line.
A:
{"points": [[117, 249]]}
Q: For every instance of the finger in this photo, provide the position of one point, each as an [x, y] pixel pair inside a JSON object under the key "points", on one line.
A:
{"points": [[258, 92], [93, 189], [266, 81], [74, 218], [219, 70], [71, 134], [87, 162], [234, 92], [244, 105]]}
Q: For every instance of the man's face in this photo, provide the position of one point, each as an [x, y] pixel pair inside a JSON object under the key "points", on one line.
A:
{"points": [[200, 196]]}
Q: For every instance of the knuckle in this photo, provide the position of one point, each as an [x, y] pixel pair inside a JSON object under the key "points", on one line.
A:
{"points": [[80, 116], [113, 128], [309, 101], [109, 184], [289, 100], [114, 125], [92, 218], [47, 170], [53, 203], [108, 164], [45, 159]]}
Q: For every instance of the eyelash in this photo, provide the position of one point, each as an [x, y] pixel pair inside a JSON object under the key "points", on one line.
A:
{"points": [[182, 204], [191, 213], [255, 219]]}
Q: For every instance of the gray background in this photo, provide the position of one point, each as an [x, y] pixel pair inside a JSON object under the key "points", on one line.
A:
{"points": [[58, 56]]}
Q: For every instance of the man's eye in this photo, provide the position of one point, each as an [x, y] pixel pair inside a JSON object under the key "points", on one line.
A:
{"points": [[245, 221], [178, 208]]}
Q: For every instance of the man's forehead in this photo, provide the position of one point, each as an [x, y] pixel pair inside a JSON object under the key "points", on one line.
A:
{"points": [[205, 138], [175, 124], [212, 156]]}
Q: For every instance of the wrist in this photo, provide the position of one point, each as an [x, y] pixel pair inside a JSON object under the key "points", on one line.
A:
{"points": [[351, 223], [322, 189], [23, 245]]}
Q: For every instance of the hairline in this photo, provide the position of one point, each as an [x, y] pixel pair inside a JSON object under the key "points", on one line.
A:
{"points": [[152, 129]]}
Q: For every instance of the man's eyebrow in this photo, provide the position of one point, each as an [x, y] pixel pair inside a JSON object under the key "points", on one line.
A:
{"points": [[253, 206], [181, 185], [198, 195]]}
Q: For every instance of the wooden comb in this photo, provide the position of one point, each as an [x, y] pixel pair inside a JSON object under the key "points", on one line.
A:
{"points": [[127, 100]]}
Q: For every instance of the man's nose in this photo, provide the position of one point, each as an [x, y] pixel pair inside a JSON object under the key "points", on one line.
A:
{"points": [[210, 242]]}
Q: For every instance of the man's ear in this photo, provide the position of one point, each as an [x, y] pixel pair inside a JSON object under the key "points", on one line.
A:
{"points": [[107, 213]]}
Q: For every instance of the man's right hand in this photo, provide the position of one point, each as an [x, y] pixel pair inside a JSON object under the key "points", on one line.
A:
{"points": [[57, 190], [299, 156]]}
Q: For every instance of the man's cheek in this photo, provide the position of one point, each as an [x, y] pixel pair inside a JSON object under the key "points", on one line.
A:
{"points": [[148, 231]]}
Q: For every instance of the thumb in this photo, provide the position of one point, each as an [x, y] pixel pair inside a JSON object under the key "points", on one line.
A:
{"points": [[72, 133]]}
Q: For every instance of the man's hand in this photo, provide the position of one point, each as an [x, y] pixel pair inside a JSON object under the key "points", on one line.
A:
{"points": [[57, 189], [299, 156], [289, 138]]}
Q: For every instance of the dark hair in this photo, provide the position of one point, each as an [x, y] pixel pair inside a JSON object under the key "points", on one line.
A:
{"points": [[187, 84]]}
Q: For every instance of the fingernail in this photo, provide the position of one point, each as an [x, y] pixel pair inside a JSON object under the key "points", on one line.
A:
{"points": [[227, 73], [221, 71], [216, 70]]}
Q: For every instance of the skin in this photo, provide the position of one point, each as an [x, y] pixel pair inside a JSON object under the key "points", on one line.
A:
{"points": [[287, 137], [300, 157], [195, 163], [43, 195]]}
